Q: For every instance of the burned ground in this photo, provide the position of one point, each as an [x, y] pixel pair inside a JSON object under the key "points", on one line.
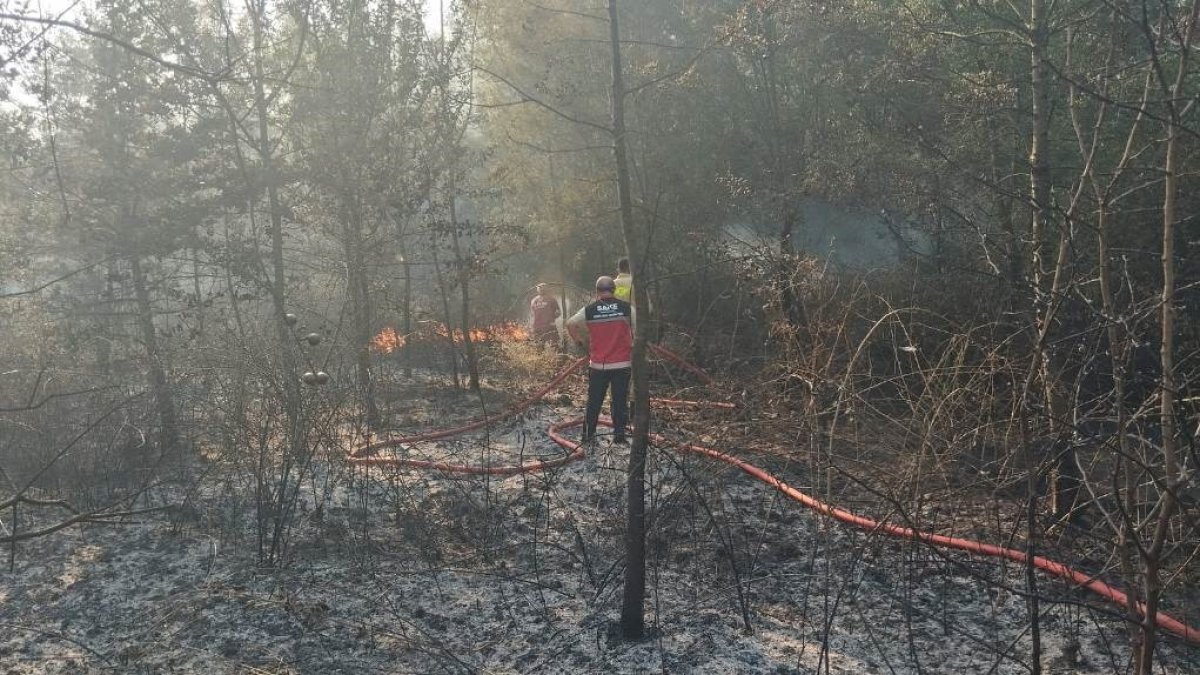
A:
{"points": [[403, 571]]}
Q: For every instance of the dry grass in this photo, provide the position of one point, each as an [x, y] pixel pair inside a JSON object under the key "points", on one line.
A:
{"points": [[527, 360]]}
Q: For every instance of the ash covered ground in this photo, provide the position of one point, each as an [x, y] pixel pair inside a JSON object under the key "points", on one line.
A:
{"points": [[404, 571]]}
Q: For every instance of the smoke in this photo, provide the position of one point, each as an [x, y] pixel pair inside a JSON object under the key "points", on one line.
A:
{"points": [[844, 235]]}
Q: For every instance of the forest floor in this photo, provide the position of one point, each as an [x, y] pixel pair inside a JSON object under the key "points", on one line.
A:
{"points": [[404, 571]]}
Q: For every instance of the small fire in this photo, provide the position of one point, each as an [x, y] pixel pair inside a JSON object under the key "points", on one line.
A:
{"points": [[389, 339], [508, 332]]}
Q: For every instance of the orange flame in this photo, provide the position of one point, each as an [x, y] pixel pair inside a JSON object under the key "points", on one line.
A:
{"points": [[389, 339], [508, 332]]}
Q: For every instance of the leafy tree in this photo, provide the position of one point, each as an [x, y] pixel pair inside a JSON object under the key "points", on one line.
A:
{"points": [[363, 90], [133, 192]]}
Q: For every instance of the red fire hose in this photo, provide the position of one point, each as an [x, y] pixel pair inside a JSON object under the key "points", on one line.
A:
{"points": [[682, 363], [1045, 564], [575, 451]]}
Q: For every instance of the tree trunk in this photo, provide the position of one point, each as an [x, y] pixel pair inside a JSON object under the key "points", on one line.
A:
{"points": [[1064, 481], [230, 287], [464, 286], [1039, 164], [358, 288], [270, 507], [1117, 350], [406, 265], [105, 344], [197, 291], [1171, 475], [287, 345], [160, 387], [793, 309], [1116, 336], [1040, 193], [633, 597], [447, 316], [448, 132]]}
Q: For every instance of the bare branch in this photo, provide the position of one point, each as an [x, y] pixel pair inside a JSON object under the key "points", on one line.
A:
{"points": [[107, 37], [33, 501], [67, 448], [97, 517], [48, 284], [34, 405], [529, 98], [691, 63], [555, 151], [556, 10]]}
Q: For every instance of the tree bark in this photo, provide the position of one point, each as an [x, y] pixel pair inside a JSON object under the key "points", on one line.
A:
{"points": [[464, 286], [287, 346], [793, 309], [270, 508], [1064, 480], [104, 346], [406, 266], [1040, 188], [1171, 475], [198, 292], [633, 597], [160, 387], [447, 316], [358, 288], [448, 132]]}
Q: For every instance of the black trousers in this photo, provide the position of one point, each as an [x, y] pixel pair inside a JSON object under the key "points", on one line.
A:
{"points": [[599, 382]]}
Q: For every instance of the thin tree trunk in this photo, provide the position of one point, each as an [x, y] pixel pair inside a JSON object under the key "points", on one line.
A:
{"points": [[793, 310], [1123, 479], [464, 285], [1039, 163], [1064, 481], [406, 265], [448, 131], [1123, 482], [1171, 476], [633, 597], [295, 445], [358, 288], [1064, 478], [164, 397], [230, 288], [197, 291], [287, 346], [104, 345], [447, 316], [1040, 194], [564, 310]]}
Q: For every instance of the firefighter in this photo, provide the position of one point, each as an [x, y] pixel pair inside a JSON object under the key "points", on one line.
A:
{"points": [[624, 281], [545, 311], [606, 327]]}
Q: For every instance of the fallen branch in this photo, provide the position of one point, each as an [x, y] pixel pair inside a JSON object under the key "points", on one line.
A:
{"points": [[65, 638], [33, 501], [94, 517]]}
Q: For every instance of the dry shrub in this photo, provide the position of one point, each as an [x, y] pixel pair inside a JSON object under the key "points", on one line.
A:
{"points": [[526, 359]]}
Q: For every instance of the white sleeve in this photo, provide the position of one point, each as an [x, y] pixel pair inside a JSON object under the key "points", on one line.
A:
{"points": [[577, 322]]}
